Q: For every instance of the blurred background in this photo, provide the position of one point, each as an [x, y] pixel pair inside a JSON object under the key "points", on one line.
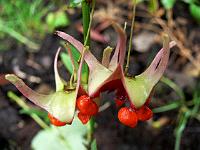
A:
{"points": [[28, 46]]}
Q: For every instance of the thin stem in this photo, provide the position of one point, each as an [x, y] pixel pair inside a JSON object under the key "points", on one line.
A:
{"points": [[86, 20], [125, 24], [167, 107], [11, 32], [180, 128], [175, 87], [90, 127], [90, 23], [24, 106], [73, 75], [131, 37]]}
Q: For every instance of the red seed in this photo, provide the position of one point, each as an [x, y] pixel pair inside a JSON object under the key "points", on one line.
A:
{"points": [[83, 118], [144, 113], [119, 102], [55, 121], [127, 117], [87, 106]]}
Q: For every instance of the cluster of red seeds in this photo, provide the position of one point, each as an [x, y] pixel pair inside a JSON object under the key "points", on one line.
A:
{"points": [[128, 116], [87, 108]]}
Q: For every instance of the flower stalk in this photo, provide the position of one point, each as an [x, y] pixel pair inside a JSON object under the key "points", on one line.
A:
{"points": [[87, 21], [131, 37]]}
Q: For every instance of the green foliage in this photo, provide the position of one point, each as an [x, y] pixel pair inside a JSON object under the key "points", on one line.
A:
{"points": [[23, 20], [69, 137], [188, 109], [22, 16], [57, 19], [94, 145], [26, 108], [153, 6], [67, 62], [195, 11], [39, 113], [168, 4], [194, 7], [74, 3]]}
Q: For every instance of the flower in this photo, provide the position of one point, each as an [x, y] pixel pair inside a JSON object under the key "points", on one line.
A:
{"points": [[109, 74], [62, 103]]}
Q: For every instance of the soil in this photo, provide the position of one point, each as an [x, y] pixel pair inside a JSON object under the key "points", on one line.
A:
{"points": [[17, 130]]}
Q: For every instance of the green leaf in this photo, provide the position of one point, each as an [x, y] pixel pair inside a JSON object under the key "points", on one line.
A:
{"points": [[195, 11], [69, 137], [94, 145], [187, 1], [153, 6], [167, 107], [184, 116], [74, 3], [174, 86], [57, 19], [67, 62], [33, 111], [168, 4]]}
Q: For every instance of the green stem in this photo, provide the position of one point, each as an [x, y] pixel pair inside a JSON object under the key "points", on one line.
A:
{"points": [[35, 117], [24, 106], [167, 107], [131, 37], [90, 23], [11, 32], [90, 128], [180, 128], [175, 87], [86, 20]]}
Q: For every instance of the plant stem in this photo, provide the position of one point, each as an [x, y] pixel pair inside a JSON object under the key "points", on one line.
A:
{"points": [[90, 23], [175, 87], [11, 32], [167, 107], [131, 37], [180, 128], [87, 21], [24, 106], [90, 127]]}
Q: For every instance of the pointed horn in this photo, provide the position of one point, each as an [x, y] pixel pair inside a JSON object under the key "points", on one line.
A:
{"points": [[89, 57], [38, 99], [106, 56], [58, 80], [120, 51], [139, 88], [156, 69]]}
